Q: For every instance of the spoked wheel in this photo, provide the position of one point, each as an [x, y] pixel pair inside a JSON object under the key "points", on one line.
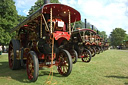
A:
{"points": [[32, 66], [74, 56], [97, 50], [14, 64], [86, 57], [65, 63], [93, 51], [101, 49]]}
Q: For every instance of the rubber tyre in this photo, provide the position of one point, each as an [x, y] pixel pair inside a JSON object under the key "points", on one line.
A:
{"points": [[97, 50], [14, 64], [63, 63], [87, 54], [32, 66], [94, 50], [74, 56], [101, 50]]}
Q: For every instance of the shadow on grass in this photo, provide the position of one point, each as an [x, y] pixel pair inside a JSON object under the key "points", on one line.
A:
{"points": [[21, 74], [121, 77], [125, 83]]}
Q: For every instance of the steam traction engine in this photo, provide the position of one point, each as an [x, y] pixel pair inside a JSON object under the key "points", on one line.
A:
{"points": [[41, 40], [79, 42]]}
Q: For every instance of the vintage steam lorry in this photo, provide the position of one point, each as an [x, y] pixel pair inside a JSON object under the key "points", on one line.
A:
{"points": [[41, 40]]}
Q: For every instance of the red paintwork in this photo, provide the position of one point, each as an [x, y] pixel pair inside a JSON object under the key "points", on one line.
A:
{"points": [[55, 25], [25, 25], [93, 43], [60, 34], [100, 43], [87, 43], [82, 56], [58, 11], [41, 56]]}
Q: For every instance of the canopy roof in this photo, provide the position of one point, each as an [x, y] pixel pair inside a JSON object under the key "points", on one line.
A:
{"points": [[83, 30], [58, 11]]}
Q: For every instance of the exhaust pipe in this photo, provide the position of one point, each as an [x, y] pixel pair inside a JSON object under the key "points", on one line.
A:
{"points": [[92, 27], [85, 24], [46, 1], [97, 32]]}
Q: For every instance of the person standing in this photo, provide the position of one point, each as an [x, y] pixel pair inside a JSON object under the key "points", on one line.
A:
{"points": [[0, 50]]}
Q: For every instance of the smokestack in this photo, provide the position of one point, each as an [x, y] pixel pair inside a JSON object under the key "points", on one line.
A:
{"points": [[92, 27], [97, 32], [85, 23], [46, 1]]}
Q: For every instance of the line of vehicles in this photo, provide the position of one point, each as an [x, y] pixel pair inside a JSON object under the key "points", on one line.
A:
{"points": [[46, 38]]}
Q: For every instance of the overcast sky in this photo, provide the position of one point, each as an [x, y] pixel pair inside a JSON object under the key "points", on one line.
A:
{"points": [[106, 15]]}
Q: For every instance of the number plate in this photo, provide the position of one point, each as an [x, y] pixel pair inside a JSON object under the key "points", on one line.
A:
{"points": [[60, 24]]}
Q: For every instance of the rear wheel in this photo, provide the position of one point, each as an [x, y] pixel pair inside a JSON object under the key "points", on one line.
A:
{"points": [[14, 63], [65, 63], [32, 66], [86, 56], [74, 56]]}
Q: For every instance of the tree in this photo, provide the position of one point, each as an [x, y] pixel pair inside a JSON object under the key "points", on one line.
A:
{"points": [[38, 4], [126, 38], [21, 18], [103, 34], [117, 36], [8, 19], [78, 24]]}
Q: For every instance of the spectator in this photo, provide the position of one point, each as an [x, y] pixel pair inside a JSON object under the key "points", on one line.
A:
{"points": [[0, 50]]}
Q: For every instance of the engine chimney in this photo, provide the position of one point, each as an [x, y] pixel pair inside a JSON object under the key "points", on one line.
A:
{"points": [[97, 32], [46, 1], [92, 27], [85, 24]]}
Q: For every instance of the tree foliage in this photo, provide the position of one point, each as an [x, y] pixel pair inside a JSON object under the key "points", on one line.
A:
{"points": [[8, 19], [38, 4], [21, 18], [126, 37], [78, 24], [103, 34], [117, 36]]}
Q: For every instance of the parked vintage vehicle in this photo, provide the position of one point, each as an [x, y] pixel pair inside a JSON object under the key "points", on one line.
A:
{"points": [[105, 45], [87, 43], [79, 43], [41, 40]]}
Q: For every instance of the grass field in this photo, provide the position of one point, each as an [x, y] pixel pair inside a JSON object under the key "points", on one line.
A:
{"points": [[107, 68]]}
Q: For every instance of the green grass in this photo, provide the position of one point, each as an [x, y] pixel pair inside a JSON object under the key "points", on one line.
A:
{"points": [[107, 68]]}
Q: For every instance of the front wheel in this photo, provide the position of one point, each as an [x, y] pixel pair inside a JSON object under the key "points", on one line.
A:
{"points": [[102, 49], [94, 50], [97, 50], [32, 66], [74, 56], [65, 63], [86, 56]]}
